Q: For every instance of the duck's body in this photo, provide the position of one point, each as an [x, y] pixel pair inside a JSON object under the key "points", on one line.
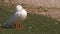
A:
{"points": [[20, 14]]}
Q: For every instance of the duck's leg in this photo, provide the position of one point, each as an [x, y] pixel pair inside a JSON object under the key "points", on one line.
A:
{"points": [[19, 25]]}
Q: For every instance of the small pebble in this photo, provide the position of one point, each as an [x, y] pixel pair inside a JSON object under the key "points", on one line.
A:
{"points": [[30, 27], [56, 22]]}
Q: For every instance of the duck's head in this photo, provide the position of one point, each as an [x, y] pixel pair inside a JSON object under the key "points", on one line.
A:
{"points": [[18, 7]]}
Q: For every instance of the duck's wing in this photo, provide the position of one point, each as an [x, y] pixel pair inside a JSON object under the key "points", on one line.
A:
{"points": [[12, 19]]}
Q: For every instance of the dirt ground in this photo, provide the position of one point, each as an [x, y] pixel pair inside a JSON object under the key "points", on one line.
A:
{"points": [[53, 13]]}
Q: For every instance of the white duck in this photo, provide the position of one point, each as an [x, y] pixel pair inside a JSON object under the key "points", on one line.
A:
{"points": [[17, 17]]}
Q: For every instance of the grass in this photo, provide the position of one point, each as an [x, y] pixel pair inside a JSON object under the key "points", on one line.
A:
{"points": [[39, 24]]}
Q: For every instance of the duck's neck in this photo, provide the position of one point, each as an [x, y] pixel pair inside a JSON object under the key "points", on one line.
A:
{"points": [[20, 10]]}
